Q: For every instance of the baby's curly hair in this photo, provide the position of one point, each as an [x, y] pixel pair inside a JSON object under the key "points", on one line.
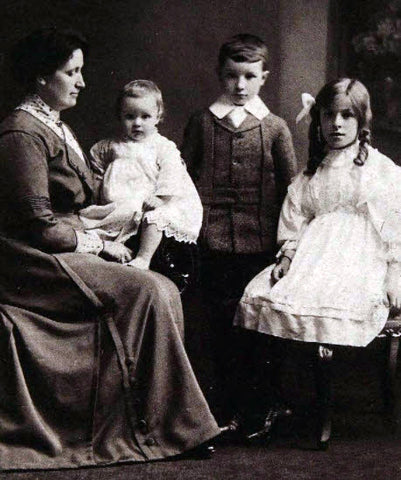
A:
{"points": [[360, 101], [138, 89]]}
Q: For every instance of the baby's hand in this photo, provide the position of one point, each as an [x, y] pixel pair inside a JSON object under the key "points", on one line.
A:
{"points": [[281, 269], [151, 203], [116, 252]]}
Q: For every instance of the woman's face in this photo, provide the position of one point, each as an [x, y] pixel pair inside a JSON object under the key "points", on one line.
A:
{"points": [[339, 123], [60, 90]]}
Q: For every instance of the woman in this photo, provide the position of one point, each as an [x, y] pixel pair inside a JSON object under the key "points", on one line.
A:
{"points": [[93, 368]]}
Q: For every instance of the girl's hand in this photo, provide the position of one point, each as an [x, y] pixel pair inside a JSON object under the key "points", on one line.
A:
{"points": [[281, 269], [393, 285], [116, 252], [151, 203]]}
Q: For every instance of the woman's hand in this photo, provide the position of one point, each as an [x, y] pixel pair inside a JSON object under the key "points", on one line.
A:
{"points": [[116, 252], [393, 285], [281, 269]]}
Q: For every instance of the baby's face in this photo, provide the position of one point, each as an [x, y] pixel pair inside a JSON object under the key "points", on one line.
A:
{"points": [[139, 117], [241, 81]]}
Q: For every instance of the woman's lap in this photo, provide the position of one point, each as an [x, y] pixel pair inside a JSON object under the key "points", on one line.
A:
{"points": [[143, 312], [110, 280]]}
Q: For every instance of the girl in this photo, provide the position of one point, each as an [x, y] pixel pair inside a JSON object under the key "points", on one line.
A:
{"points": [[338, 270], [144, 181]]}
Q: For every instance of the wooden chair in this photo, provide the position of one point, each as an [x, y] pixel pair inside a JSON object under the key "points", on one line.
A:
{"points": [[391, 334]]}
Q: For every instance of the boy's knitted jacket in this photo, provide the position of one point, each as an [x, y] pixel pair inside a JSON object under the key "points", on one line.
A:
{"points": [[242, 175]]}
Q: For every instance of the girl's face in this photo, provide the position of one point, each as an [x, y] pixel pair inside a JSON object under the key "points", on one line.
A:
{"points": [[61, 89], [139, 117], [339, 123]]}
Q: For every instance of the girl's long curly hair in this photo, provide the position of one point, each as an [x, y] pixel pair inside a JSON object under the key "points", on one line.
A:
{"points": [[360, 101]]}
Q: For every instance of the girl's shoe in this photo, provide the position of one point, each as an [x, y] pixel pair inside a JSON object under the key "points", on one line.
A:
{"points": [[233, 431], [234, 425], [264, 431]]}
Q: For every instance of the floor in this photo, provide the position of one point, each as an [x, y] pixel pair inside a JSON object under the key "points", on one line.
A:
{"points": [[362, 445]]}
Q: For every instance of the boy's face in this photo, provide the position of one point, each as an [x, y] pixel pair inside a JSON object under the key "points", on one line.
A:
{"points": [[139, 117], [241, 81]]}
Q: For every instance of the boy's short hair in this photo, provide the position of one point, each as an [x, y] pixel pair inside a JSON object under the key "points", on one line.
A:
{"points": [[244, 47], [140, 88]]}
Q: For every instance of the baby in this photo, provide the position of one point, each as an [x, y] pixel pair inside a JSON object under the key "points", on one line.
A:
{"points": [[145, 185]]}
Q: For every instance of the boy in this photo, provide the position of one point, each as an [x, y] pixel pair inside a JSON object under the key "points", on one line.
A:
{"points": [[241, 158]]}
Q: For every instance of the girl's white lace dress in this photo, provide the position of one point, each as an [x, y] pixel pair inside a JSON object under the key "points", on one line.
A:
{"points": [[134, 171], [345, 224]]}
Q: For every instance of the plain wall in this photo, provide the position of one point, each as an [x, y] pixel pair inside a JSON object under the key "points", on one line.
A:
{"points": [[304, 50], [175, 43]]}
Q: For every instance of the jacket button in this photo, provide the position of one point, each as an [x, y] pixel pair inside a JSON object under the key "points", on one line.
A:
{"points": [[150, 442]]}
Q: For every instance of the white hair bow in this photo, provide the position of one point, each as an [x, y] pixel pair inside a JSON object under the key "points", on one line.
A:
{"points": [[307, 101]]}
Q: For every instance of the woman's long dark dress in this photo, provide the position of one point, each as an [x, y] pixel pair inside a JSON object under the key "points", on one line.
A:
{"points": [[92, 364]]}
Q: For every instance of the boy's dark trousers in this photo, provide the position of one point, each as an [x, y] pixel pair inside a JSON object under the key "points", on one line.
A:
{"points": [[239, 357]]}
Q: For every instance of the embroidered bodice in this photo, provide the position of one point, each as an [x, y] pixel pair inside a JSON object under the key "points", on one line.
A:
{"points": [[335, 185], [34, 105]]}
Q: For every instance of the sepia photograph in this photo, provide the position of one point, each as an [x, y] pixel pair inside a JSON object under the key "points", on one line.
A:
{"points": [[200, 240]]}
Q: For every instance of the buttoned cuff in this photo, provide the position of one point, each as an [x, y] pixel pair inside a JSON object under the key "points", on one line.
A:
{"points": [[88, 242]]}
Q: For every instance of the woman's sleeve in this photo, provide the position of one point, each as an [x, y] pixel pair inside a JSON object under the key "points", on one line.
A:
{"points": [[293, 219], [23, 158]]}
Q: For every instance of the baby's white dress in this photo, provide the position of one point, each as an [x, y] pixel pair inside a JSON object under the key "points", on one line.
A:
{"points": [[134, 171], [345, 224]]}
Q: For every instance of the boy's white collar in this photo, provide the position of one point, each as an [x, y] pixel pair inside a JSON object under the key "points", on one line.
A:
{"points": [[223, 106]]}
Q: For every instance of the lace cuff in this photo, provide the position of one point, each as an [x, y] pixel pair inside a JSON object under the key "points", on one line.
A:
{"points": [[88, 242]]}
